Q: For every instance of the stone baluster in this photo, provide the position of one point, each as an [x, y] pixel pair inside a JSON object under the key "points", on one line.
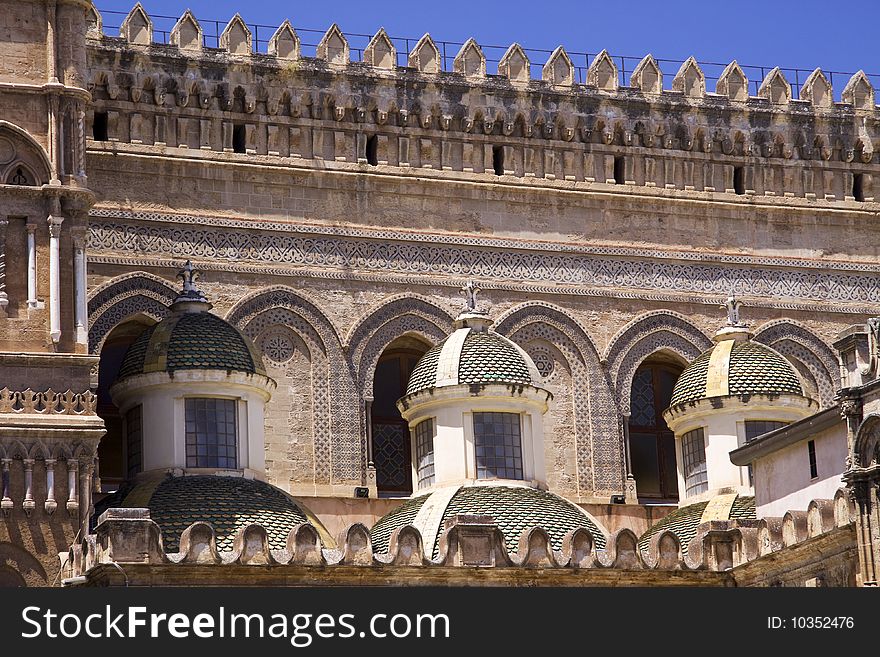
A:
{"points": [[5, 501], [50, 504], [72, 486], [55, 221], [28, 505]]}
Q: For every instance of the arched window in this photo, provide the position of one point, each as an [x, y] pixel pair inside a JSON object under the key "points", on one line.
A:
{"points": [[392, 451], [651, 443], [119, 451]]}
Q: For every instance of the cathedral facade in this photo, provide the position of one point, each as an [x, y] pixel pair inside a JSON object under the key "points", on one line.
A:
{"points": [[380, 308]]}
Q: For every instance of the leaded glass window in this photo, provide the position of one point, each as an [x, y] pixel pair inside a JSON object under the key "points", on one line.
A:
{"points": [[211, 435], [693, 453], [425, 453], [133, 438], [498, 443]]}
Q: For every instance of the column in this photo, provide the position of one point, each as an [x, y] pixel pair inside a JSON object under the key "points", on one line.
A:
{"points": [[5, 500], [55, 274], [32, 265], [79, 272], [28, 504], [4, 299], [50, 504], [72, 486]]}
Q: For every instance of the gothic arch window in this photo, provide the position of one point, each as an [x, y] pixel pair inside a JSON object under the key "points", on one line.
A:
{"points": [[391, 448], [20, 175], [651, 443], [119, 450]]}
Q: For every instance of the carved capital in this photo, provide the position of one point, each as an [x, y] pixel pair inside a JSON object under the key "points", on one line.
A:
{"points": [[55, 222], [850, 407]]}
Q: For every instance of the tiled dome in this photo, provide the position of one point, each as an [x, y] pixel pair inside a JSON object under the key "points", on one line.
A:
{"points": [[683, 522], [739, 367], [191, 341], [472, 356], [514, 508], [228, 503]]}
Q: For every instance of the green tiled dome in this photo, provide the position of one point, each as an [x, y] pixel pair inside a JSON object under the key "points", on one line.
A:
{"points": [[485, 357], [753, 369], [188, 341], [514, 508], [228, 503], [683, 522]]}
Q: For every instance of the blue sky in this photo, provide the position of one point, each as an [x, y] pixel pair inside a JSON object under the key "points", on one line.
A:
{"points": [[767, 33]]}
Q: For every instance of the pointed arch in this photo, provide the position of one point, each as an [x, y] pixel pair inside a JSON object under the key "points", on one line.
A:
{"points": [[380, 51], [598, 435], [733, 83], [559, 71], [815, 361], [647, 76], [124, 297], [470, 60], [690, 79], [22, 563], [375, 330], [644, 336], [27, 151], [514, 65], [867, 442], [603, 72], [425, 56]]}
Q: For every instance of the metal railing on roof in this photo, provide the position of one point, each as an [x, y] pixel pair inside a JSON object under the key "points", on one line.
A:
{"points": [[309, 38]]}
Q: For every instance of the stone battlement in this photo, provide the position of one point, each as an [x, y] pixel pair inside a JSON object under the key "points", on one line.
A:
{"points": [[329, 108]]}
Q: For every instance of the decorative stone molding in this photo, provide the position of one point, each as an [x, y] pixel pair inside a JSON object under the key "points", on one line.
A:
{"points": [[48, 402]]}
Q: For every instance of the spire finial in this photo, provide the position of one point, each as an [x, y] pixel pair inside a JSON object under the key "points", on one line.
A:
{"points": [[733, 305], [190, 295], [470, 290], [735, 328]]}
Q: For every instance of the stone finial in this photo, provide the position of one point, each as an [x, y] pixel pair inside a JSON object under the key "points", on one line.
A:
{"points": [[187, 33], [732, 305], [733, 83], [190, 294], [425, 56], [284, 43], [380, 51], [817, 90], [858, 92], [94, 22], [470, 60], [775, 88], [470, 291], [514, 65], [137, 26], [333, 47], [603, 72], [236, 37], [690, 79], [559, 71], [647, 76]]}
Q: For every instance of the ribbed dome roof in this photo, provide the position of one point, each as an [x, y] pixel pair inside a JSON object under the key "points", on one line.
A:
{"points": [[683, 522], [515, 509], [191, 341], [472, 356], [228, 503], [736, 367]]}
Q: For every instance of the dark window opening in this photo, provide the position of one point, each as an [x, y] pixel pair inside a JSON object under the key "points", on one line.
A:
{"points": [[134, 441], [619, 176], [392, 449], [498, 160], [425, 452], [811, 450], [238, 139], [651, 443], [755, 428], [99, 126], [373, 150], [857, 190], [739, 185], [19, 177]]}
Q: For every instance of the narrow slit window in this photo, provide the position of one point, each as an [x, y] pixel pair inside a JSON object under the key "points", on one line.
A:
{"points": [[498, 160], [619, 176], [811, 451], [858, 191], [238, 139], [99, 126], [373, 150], [739, 185]]}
